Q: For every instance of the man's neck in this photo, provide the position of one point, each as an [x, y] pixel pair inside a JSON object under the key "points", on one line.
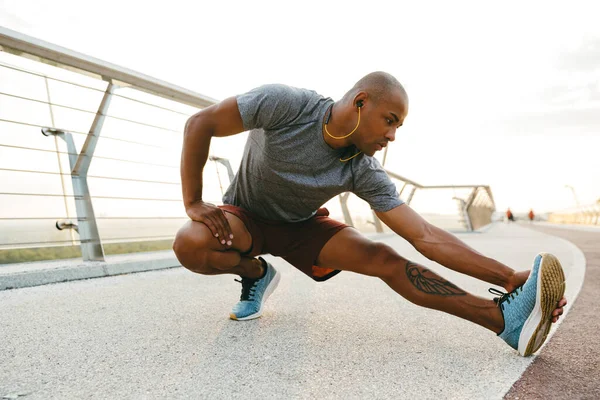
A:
{"points": [[336, 126]]}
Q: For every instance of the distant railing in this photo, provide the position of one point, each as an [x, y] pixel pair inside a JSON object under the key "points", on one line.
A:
{"points": [[584, 215], [474, 211]]}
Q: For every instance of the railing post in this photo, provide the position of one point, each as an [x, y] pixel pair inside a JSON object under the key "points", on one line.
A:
{"points": [[463, 213], [402, 190], [91, 245], [344, 202], [377, 223], [468, 205], [410, 196], [226, 163], [60, 164]]}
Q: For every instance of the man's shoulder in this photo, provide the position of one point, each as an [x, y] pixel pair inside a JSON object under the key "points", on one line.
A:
{"points": [[368, 173], [276, 105], [283, 91], [365, 163], [373, 184]]}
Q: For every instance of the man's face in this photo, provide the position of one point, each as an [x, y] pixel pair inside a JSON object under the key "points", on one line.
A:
{"points": [[379, 121]]}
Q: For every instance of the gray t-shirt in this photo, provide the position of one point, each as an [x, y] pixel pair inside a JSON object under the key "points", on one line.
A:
{"points": [[288, 171]]}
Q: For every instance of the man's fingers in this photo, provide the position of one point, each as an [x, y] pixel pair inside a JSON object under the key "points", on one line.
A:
{"points": [[228, 230], [211, 225], [562, 302], [219, 229], [557, 312], [223, 228], [216, 221]]}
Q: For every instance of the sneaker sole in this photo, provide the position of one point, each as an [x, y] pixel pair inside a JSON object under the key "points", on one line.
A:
{"points": [[272, 285], [550, 289]]}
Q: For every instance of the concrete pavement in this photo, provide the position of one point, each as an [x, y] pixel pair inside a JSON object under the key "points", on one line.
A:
{"points": [[166, 334]]}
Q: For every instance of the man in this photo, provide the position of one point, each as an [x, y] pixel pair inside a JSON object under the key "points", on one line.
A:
{"points": [[302, 150], [509, 215]]}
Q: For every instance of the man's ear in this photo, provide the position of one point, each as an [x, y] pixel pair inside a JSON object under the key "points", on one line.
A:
{"points": [[360, 99]]}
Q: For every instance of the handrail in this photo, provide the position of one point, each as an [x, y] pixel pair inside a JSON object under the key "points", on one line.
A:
{"points": [[79, 228], [475, 212], [18, 43], [585, 215], [419, 186]]}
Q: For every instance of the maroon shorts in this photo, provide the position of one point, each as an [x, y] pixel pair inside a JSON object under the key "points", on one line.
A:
{"points": [[299, 243]]}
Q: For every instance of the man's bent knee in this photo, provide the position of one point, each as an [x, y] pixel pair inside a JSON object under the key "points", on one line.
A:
{"points": [[191, 247]]}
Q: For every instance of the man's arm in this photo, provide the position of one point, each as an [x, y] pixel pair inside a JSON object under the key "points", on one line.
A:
{"points": [[219, 120], [444, 248]]}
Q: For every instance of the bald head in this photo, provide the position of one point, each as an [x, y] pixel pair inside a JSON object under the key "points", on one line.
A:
{"points": [[378, 85]]}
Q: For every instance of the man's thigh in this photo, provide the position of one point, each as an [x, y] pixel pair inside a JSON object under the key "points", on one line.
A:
{"points": [[349, 250], [200, 233]]}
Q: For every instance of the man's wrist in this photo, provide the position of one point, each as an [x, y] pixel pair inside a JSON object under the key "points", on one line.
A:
{"points": [[190, 203]]}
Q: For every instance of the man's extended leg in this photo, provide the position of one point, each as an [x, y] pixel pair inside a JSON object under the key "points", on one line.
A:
{"points": [[446, 249], [349, 250]]}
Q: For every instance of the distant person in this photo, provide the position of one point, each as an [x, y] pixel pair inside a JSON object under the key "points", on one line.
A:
{"points": [[302, 150], [509, 215], [531, 215]]}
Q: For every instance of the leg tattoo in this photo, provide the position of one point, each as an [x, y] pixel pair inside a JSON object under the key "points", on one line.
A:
{"points": [[428, 282]]}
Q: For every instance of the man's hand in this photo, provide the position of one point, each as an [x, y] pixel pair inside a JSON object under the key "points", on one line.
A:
{"points": [[213, 217]]}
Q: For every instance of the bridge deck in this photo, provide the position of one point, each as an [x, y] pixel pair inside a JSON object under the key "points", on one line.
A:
{"points": [[167, 334]]}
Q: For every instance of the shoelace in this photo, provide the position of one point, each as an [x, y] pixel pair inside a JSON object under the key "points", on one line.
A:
{"points": [[505, 296], [248, 288]]}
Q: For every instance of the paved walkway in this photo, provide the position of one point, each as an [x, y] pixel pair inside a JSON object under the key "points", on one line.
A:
{"points": [[569, 366], [166, 334]]}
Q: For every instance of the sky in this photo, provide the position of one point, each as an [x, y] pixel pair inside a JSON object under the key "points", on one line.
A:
{"points": [[505, 94]]}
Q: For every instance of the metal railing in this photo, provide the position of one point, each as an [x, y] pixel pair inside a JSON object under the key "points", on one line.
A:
{"points": [[584, 215], [475, 210], [74, 100], [45, 52]]}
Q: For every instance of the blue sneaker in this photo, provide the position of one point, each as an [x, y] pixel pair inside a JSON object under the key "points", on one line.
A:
{"points": [[527, 310], [254, 294]]}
